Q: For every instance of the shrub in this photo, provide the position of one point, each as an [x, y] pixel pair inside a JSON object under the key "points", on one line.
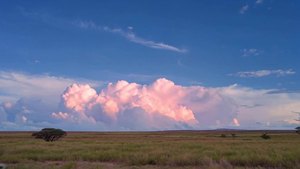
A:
{"points": [[265, 136], [298, 130]]}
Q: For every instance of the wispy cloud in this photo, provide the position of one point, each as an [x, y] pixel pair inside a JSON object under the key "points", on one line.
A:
{"points": [[250, 52], [126, 33], [263, 73], [244, 9], [130, 35], [259, 1]]}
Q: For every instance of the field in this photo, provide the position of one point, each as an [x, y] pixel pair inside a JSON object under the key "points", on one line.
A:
{"points": [[169, 149]]}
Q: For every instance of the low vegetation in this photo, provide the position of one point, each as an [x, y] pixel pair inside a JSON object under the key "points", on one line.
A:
{"points": [[298, 130], [265, 136], [173, 149]]}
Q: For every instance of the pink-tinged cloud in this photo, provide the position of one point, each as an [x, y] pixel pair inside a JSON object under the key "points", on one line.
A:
{"points": [[60, 115], [160, 104], [236, 122], [77, 97]]}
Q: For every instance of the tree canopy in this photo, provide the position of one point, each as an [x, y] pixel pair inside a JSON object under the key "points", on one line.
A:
{"points": [[49, 134]]}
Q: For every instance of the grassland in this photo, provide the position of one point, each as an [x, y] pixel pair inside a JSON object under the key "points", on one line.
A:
{"points": [[172, 149]]}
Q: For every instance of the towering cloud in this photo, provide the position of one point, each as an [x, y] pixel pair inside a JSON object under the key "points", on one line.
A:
{"points": [[124, 105], [74, 105]]}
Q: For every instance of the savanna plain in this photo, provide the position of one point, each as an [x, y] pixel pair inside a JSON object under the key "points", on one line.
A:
{"points": [[164, 149]]}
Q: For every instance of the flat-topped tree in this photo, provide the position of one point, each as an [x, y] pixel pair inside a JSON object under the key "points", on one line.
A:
{"points": [[49, 134]]}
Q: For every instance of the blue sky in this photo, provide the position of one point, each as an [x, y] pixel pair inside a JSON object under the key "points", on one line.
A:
{"points": [[42, 37], [250, 43]]}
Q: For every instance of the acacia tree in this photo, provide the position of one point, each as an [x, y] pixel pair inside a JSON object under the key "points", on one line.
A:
{"points": [[49, 134]]}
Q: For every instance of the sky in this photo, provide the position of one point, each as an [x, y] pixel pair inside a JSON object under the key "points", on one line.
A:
{"points": [[149, 65]]}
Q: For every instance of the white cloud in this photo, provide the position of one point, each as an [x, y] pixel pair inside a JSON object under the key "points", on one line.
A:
{"points": [[263, 73], [160, 105], [165, 105], [27, 100], [250, 52], [131, 106], [244, 9], [14, 85], [130, 35], [60, 115], [273, 110]]}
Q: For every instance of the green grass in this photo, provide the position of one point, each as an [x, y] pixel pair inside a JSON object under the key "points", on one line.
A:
{"points": [[180, 149]]}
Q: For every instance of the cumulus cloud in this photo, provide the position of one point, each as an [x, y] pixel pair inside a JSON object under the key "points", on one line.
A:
{"points": [[244, 9], [130, 35], [263, 73], [27, 100], [160, 105], [25, 113], [165, 105], [150, 106]]}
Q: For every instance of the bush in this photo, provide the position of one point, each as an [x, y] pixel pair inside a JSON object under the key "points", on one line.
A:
{"points": [[223, 135], [298, 130], [265, 136]]}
